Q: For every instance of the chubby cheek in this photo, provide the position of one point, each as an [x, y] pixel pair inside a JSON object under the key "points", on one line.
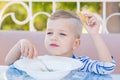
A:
{"points": [[67, 44]]}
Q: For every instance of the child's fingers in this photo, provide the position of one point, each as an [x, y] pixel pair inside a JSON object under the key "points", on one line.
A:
{"points": [[89, 15], [26, 50], [22, 47], [31, 52], [92, 21], [35, 52]]}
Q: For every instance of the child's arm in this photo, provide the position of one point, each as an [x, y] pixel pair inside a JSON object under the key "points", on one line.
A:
{"points": [[92, 27], [21, 48], [98, 67]]}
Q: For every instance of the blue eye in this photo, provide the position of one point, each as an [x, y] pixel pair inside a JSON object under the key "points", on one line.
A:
{"points": [[63, 34]]}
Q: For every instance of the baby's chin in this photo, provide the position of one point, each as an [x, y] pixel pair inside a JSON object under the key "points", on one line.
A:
{"points": [[55, 54], [52, 54]]}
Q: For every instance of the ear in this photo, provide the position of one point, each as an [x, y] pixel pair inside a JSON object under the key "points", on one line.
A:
{"points": [[76, 44]]}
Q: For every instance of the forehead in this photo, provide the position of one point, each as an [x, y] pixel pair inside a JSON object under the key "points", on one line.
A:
{"points": [[69, 24]]}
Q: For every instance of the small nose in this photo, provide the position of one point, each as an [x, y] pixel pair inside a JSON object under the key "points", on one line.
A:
{"points": [[54, 37]]}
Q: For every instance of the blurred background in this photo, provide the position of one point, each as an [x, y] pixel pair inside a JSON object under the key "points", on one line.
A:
{"points": [[15, 16]]}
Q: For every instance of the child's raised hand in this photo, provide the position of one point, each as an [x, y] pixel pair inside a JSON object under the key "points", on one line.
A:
{"points": [[28, 49], [92, 24]]}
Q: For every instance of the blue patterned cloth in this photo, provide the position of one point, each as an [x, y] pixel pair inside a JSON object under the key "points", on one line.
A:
{"points": [[15, 74], [79, 75], [91, 70], [96, 66]]}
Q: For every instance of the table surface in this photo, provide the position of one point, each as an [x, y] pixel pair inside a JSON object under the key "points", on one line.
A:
{"points": [[74, 75]]}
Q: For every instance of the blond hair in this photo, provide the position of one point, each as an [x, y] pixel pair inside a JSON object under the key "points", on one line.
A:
{"points": [[68, 15]]}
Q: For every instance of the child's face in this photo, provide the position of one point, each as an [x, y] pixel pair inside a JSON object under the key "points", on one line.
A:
{"points": [[60, 38]]}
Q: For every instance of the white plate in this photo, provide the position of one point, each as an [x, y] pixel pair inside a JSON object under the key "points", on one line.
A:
{"points": [[61, 66]]}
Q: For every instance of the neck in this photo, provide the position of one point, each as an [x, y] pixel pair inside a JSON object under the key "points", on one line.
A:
{"points": [[65, 55]]}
